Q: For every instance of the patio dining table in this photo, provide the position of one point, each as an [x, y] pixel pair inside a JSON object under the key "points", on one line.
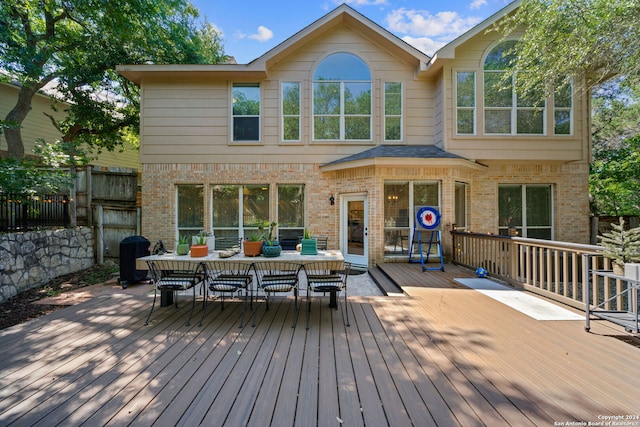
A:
{"points": [[330, 256]]}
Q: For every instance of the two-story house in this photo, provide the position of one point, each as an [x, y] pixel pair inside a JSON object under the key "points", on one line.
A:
{"points": [[346, 130]]}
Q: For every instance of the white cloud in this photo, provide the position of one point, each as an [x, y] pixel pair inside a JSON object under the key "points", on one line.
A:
{"points": [[264, 34], [424, 44], [362, 2], [428, 32], [477, 4]]}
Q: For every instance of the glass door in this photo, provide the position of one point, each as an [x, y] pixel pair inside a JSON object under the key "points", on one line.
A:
{"points": [[354, 229]]}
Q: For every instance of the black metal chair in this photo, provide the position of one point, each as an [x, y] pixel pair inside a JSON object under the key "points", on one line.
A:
{"points": [[321, 242], [277, 277], [174, 276], [327, 277], [229, 277]]}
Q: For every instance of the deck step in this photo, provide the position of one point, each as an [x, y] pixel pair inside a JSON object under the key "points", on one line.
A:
{"points": [[387, 285]]}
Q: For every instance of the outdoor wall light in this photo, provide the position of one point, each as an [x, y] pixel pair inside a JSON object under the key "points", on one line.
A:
{"points": [[332, 200]]}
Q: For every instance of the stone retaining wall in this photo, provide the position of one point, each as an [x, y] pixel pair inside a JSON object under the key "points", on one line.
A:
{"points": [[31, 259]]}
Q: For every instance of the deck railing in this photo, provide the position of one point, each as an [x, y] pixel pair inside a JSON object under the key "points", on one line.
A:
{"points": [[553, 269]]}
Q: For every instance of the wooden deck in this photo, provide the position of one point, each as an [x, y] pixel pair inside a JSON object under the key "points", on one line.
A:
{"points": [[441, 355]]}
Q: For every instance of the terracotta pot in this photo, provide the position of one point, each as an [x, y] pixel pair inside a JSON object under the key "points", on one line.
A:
{"points": [[252, 248], [199, 251]]}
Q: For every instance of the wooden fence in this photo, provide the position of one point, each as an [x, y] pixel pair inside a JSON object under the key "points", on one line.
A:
{"points": [[557, 270]]}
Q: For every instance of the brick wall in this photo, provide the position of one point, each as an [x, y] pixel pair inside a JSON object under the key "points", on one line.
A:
{"points": [[570, 183]]}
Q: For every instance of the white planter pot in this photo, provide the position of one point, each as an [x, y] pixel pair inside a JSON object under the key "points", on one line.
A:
{"points": [[632, 271]]}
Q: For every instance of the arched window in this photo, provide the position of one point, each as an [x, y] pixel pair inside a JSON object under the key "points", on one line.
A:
{"points": [[505, 112], [342, 98]]}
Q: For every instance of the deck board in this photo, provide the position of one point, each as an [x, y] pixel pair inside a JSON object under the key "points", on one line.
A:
{"points": [[441, 355]]}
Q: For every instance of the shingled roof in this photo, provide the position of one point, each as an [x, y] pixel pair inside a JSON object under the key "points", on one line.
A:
{"points": [[381, 154]]}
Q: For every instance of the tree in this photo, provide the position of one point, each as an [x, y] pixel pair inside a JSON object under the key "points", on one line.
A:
{"points": [[75, 46], [575, 39]]}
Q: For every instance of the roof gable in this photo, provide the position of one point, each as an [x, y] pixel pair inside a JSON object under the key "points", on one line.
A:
{"points": [[342, 15], [448, 51]]}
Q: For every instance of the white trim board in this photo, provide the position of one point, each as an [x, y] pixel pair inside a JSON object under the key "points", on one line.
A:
{"points": [[522, 301]]}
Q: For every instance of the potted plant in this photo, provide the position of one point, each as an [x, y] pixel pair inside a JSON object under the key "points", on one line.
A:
{"points": [[199, 248], [252, 245], [271, 247], [309, 246], [210, 239], [182, 247], [621, 246]]}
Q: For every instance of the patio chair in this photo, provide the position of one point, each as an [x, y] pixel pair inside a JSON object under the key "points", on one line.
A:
{"points": [[321, 242], [229, 277], [174, 276], [331, 277], [277, 277]]}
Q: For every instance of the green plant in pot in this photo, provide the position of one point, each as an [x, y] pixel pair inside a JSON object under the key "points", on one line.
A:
{"points": [[199, 246], [182, 248], [309, 246], [271, 247], [252, 245], [621, 246]]}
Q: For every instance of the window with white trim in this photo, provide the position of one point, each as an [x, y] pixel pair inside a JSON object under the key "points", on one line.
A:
{"points": [[506, 112], [526, 210], [291, 111], [563, 109], [392, 111], [237, 210], [189, 210], [342, 99], [466, 102], [246, 111]]}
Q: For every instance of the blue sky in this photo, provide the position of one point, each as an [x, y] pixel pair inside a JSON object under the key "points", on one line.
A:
{"points": [[250, 28]]}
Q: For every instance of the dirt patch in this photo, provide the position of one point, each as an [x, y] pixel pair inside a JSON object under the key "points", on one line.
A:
{"points": [[60, 292]]}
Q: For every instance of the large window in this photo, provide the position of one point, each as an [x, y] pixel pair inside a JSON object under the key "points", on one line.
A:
{"points": [[246, 111], [236, 210], [290, 212], [504, 111], [342, 99], [190, 210], [526, 210], [400, 200], [392, 111], [291, 111]]}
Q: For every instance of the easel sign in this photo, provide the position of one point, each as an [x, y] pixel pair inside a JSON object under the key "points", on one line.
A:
{"points": [[427, 218]]}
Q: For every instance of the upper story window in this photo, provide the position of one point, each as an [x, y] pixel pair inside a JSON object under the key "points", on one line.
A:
{"points": [[562, 109], [466, 102], [291, 111], [342, 99], [506, 112], [246, 111], [392, 111]]}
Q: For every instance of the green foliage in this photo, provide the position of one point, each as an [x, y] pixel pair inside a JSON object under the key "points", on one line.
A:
{"points": [[78, 44], [621, 245], [201, 238], [615, 168], [591, 39], [25, 177], [183, 240]]}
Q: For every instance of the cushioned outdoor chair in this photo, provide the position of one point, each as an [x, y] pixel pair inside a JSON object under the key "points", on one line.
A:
{"points": [[229, 277], [175, 276], [327, 277], [277, 277]]}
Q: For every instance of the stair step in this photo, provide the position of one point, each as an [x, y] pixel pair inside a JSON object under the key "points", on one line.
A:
{"points": [[386, 285]]}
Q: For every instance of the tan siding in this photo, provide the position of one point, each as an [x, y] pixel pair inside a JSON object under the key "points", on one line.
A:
{"points": [[38, 125], [470, 57]]}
